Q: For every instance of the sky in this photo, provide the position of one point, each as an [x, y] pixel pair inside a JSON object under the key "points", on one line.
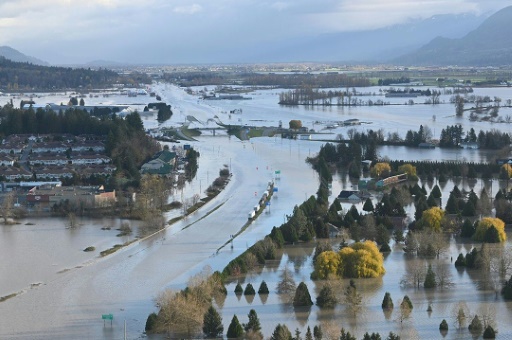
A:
{"points": [[196, 31]]}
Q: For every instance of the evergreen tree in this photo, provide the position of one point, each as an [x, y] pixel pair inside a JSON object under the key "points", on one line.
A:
{"points": [[452, 206], [492, 235], [489, 333], [263, 288], [249, 290], [443, 326], [238, 288], [297, 334], [326, 298], [317, 332], [277, 236], [507, 289], [281, 332], [430, 278], [309, 336], [373, 336], [254, 322], [475, 327], [461, 261], [469, 209], [406, 301], [393, 336], [346, 335], [151, 322], [235, 329], [468, 229], [302, 297], [368, 205], [387, 302], [436, 192], [421, 205], [212, 323]]}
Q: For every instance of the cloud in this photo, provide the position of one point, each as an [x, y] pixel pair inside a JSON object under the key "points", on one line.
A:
{"points": [[192, 9], [280, 6], [72, 31]]}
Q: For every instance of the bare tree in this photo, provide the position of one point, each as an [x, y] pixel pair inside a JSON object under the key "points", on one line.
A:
{"points": [[415, 274], [72, 222], [287, 285], [404, 312], [352, 298], [443, 276], [461, 314], [8, 206], [487, 313]]}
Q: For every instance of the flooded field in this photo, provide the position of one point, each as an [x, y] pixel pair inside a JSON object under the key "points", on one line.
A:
{"points": [[420, 324], [56, 278]]}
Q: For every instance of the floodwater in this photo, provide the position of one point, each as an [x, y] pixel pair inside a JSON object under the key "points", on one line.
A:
{"points": [[273, 309], [63, 291]]}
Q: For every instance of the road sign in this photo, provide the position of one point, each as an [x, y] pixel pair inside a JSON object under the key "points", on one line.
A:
{"points": [[107, 317]]}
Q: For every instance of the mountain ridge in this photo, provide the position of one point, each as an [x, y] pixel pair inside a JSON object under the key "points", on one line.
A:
{"points": [[15, 55], [490, 44]]}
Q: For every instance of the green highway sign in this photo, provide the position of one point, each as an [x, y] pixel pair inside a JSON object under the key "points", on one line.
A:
{"points": [[107, 316]]}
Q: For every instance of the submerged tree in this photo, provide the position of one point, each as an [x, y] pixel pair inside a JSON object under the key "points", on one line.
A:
{"points": [[302, 296]]}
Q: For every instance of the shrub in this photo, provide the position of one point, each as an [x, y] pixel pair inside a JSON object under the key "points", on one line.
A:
{"points": [[91, 248], [263, 288], [475, 327], [443, 326], [507, 289], [489, 333], [249, 290], [385, 248]]}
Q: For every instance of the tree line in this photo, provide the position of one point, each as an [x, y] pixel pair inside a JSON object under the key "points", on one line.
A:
{"points": [[17, 76]]}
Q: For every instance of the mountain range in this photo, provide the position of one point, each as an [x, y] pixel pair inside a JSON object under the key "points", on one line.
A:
{"points": [[488, 45], [372, 46], [465, 40]]}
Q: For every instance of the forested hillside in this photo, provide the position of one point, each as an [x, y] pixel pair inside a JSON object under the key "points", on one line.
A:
{"points": [[16, 76]]}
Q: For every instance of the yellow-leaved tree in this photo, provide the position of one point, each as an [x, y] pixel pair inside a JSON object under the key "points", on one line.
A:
{"points": [[484, 234], [358, 260], [431, 219], [370, 262], [380, 170], [408, 169], [508, 169], [327, 264]]}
